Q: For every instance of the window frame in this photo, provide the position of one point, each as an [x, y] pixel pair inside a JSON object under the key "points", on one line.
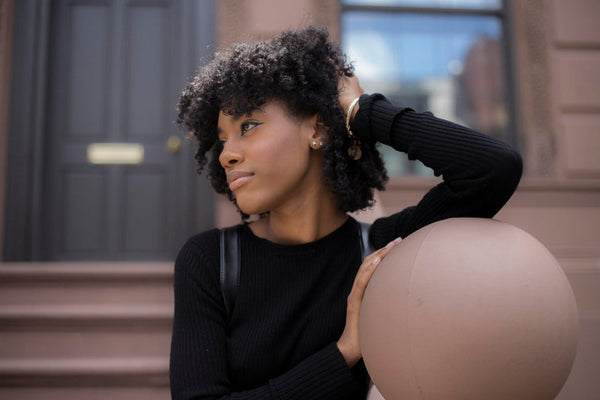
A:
{"points": [[509, 71]]}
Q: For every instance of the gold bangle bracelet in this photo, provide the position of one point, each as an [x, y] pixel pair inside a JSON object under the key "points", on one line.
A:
{"points": [[348, 114], [354, 151]]}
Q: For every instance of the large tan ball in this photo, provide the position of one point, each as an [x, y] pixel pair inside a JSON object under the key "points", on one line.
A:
{"points": [[469, 308]]}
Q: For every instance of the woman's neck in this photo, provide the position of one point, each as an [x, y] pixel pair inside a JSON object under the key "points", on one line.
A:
{"points": [[305, 221]]}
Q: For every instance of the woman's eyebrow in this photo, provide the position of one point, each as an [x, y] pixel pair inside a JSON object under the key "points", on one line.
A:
{"points": [[236, 118], [252, 112]]}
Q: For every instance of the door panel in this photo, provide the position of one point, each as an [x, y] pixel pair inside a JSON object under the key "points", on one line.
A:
{"points": [[145, 202], [114, 77], [146, 55], [86, 71], [80, 190]]}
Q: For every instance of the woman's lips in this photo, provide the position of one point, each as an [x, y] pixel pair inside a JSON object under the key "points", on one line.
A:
{"points": [[235, 179]]}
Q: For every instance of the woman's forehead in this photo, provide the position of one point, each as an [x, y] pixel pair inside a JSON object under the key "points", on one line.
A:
{"points": [[250, 107], [273, 108]]}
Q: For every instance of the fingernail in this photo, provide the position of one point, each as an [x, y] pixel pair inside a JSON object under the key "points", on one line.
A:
{"points": [[390, 244], [376, 260]]}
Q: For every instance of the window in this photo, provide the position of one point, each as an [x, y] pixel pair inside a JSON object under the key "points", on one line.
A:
{"points": [[449, 57]]}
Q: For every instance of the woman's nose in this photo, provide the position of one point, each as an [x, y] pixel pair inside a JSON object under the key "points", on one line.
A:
{"points": [[230, 155]]}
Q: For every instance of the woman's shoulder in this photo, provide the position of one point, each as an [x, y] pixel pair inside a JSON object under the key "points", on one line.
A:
{"points": [[199, 252], [201, 241], [206, 244]]}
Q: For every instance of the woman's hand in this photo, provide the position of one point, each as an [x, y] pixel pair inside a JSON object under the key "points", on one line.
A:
{"points": [[348, 344], [349, 89]]}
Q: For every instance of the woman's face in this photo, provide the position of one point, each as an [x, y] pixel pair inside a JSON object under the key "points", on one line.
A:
{"points": [[267, 157]]}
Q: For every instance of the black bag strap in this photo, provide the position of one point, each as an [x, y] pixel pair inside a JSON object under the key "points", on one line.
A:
{"points": [[230, 266], [365, 245], [231, 260]]}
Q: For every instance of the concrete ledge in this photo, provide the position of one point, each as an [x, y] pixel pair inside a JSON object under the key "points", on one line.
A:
{"points": [[84, 270], [105, 316], [151, 371], [75, 311]]}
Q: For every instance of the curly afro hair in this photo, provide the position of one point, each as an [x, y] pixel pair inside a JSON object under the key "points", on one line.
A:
{"points": [[301, 68]]}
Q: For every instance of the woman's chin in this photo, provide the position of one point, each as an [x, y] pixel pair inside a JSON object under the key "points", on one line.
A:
{"points": [[250, 208]]}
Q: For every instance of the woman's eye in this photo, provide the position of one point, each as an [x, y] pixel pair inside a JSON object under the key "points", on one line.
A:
{"points": [[249, 125]]}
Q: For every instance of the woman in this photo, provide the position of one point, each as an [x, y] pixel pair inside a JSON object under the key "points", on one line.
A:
{"points": [[274, 119]]}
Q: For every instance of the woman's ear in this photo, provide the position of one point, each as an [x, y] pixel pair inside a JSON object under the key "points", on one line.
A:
{"points": [[319, 132]]}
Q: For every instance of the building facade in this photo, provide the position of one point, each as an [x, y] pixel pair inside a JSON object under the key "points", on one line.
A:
{"points": [[85, 320]]}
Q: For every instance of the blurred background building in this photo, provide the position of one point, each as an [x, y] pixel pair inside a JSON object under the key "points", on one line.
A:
{"points": [[98, 187]]}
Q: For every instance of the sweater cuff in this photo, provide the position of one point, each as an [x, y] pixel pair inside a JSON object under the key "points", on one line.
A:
{"points": [[319, 376], [374, 119]]}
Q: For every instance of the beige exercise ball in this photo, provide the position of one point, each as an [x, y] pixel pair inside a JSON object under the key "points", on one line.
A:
{"points": [[469, 308]]}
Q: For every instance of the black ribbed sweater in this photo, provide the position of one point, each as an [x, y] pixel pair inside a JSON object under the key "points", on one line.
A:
{"points": [[281, 340]]}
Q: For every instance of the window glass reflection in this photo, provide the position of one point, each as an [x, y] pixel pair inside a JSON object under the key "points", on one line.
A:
{"points": [[475, 4], [450, 65]]}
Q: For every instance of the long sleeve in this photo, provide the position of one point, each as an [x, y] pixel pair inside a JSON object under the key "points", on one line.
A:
{"points": [[199, 351], [479, 172], [198, 354]]}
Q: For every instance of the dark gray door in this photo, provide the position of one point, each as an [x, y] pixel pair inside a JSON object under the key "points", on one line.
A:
{"points": [[118, 181]]}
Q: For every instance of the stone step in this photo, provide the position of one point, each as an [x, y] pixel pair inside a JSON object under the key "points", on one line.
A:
{"points": [[82, 314], [85, 330], [85, 393], [76, 330], [77, 372], [86, 283]]}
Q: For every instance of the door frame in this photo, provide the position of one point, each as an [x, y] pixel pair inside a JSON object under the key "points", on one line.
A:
{"points": [[23, 222]]}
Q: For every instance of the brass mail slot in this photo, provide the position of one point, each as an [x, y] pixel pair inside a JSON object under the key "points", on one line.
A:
{"points": [[115, 153]]}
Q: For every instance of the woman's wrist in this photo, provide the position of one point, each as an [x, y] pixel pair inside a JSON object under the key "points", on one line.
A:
{"points": [[350, 357], [352, 110], [373, 123]]}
